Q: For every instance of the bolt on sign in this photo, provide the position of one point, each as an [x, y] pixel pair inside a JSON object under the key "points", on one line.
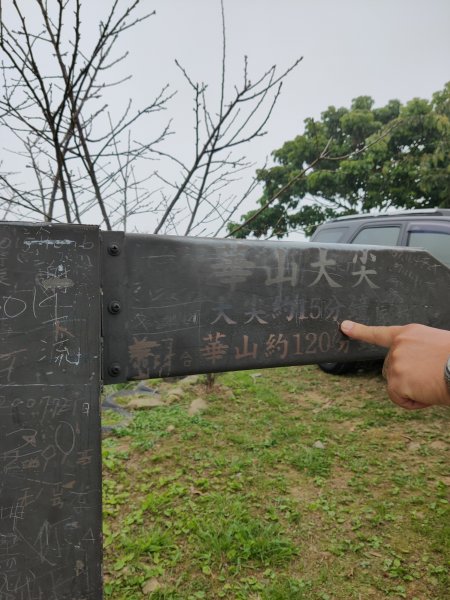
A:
{"points": [[79, 307]]}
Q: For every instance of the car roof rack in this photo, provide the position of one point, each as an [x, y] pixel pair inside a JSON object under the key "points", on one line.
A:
{"points": [[426, 212]]}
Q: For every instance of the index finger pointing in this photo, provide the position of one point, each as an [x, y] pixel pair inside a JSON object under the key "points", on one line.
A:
{"points": [[379, 335]]}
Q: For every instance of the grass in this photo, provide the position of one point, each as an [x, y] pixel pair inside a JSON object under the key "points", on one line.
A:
{"points": [[292, 485]]}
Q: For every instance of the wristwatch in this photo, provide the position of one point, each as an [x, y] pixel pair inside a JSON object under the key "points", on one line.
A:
{"points": [[447, 374]]}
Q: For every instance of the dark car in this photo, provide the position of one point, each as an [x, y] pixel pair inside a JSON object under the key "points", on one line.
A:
{"points": [[427, 228]]}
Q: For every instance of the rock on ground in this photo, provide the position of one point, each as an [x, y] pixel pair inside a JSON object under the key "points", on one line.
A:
{"points": [[152, 585], [145, 403], [197, 406]]}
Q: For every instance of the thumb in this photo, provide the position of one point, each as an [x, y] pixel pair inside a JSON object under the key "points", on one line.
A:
{"points": [[381, 336]]}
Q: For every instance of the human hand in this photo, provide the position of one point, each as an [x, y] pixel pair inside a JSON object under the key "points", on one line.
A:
{"points": [[414, 366]]}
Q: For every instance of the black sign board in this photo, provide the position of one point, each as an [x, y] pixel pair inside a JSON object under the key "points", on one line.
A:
{"points": [[78, 306], [176, 306]]}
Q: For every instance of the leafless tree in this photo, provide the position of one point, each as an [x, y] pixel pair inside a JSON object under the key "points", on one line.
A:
{"points": [[86, 165]]}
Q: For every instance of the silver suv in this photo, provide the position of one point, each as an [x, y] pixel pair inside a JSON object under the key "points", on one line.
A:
{"points": [[426, 228]]}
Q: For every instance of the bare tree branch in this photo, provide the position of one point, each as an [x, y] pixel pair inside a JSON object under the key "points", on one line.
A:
{"points": [[88, 162]]}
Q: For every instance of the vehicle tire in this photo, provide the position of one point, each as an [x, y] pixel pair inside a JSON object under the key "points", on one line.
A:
{"points": [[336, 368]]}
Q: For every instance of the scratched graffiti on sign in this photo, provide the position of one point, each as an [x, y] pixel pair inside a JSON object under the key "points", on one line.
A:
{"points": [[50, 520], [47, 299]]}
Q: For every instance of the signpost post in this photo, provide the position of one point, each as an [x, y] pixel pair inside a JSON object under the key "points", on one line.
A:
{"points": [[50, 490], [79, 307]]}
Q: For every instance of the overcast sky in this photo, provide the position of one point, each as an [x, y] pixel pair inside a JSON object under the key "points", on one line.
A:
{"points": [[382, 48]]}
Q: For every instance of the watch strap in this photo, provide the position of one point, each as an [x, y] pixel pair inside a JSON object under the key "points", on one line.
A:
{"points": [[447, 373]]}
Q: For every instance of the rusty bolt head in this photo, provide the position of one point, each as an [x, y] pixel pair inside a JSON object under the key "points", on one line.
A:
{"points": [[114, 369], [114, 307], [114, 250]]}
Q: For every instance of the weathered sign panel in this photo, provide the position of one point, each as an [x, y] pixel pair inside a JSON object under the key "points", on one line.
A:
{"points": [[197, 305], [50, 486], [78, 306]]}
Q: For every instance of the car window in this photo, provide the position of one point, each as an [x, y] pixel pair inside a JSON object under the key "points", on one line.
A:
{"points": [[436, 242], [329, 235], [378, 236]]}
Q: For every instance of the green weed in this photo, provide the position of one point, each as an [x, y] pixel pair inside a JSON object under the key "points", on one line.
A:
{"points": [[296, 486]]}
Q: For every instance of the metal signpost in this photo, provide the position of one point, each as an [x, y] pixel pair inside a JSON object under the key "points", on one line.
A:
{"points": [[79, 307]]}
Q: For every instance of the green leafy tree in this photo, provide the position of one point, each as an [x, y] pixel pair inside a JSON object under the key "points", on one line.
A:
{"points": [[354, 161]]}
